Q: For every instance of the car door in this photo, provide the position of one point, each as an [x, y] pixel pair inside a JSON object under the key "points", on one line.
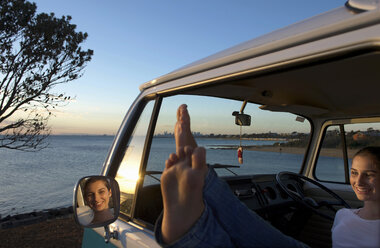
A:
{"points": [[339, 141], [127, 158]]}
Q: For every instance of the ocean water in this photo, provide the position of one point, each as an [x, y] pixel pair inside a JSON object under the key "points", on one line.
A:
{"points": [[217, 153], [45, 179]]}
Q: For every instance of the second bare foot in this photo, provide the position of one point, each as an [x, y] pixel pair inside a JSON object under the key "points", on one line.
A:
{"points": [[182, 185]]}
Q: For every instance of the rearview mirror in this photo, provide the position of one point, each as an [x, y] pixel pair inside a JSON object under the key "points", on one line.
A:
{"points": [[242, 119], [96, 201]]}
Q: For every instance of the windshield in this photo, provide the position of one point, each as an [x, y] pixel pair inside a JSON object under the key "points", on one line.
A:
{"points": [[273, 142]]}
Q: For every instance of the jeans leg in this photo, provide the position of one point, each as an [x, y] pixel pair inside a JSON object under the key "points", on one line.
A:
{"points": [[245, 227], [205, 233]]}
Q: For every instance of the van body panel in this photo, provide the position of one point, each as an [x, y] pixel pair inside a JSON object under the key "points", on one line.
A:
{"points": [[329, 24]]}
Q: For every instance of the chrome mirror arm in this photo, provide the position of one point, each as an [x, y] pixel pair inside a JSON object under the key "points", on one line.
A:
{"points": [[243, 107], [108, 234]]}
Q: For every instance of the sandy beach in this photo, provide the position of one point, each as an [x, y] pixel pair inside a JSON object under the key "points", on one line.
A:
{"points": [[328, 152]]}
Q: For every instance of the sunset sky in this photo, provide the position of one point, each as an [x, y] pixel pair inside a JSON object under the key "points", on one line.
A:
{"points": [[137, 41]]}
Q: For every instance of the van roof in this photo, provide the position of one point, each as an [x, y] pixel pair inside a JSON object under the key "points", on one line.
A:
{"points": [[332, 23]]}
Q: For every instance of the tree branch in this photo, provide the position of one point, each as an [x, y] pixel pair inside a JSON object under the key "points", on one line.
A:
{"points": [[38, 52]]}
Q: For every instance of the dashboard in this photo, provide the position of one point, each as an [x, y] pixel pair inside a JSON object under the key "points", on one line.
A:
{"points": [[261, 193]]}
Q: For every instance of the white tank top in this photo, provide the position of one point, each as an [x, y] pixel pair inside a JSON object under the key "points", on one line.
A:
{"points": [[349, 230]]}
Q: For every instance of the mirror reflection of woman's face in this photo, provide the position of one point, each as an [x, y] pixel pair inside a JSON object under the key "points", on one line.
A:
{"points": [[98, 195]]}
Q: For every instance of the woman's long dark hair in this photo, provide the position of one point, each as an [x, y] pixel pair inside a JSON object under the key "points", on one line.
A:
{"points": [[372, 152], [95, 179]]}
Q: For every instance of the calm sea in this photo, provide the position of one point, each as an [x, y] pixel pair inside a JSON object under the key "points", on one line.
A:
{"points": [[45, 179]]}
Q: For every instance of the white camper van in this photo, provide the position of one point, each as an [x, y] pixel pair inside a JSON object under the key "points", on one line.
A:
{"points": [[299, 102]]}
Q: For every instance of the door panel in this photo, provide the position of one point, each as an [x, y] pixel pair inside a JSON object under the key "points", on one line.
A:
{"points": [[93, 238], [133, 235], [317, 230]]}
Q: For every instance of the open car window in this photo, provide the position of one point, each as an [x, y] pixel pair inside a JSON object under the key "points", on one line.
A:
{"points": [[339, 145], [128, 172], [274, 141]]}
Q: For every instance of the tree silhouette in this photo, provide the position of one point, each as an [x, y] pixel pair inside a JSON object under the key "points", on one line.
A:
{"points": [[37, 52]]}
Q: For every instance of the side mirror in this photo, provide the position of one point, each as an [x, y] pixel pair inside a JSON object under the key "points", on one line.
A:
{"points": [[242, 119], [96, 201]]}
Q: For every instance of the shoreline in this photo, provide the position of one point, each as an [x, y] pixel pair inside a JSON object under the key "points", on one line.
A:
{"points": [[32, 217], [326, 152], [48, 228], [11, 221], [56, 227]]}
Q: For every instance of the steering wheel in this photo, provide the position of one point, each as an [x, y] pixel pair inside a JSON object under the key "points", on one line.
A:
{"points": [[308, 202]]}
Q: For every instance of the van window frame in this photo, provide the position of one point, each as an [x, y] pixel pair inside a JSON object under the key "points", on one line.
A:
{"points": [[341, 124], [144, 160], [344, 152], [126, 135]]}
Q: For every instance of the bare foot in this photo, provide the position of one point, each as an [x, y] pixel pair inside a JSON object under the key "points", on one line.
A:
{"points": [[182, 131], [182, 181], [182, 185]]}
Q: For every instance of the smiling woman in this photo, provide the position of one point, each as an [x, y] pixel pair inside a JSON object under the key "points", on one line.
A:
{"points": [[97, 195], [96, 201], [365, 181], [365, 176]]}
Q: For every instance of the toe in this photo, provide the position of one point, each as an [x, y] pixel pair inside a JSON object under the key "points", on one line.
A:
{"points": [[188, 151], [180, 152], [168, 164], [173, 159], [182, 112], [199, 158]]}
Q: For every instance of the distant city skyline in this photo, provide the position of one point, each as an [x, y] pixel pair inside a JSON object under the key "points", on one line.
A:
{"points": [[368, 131]]}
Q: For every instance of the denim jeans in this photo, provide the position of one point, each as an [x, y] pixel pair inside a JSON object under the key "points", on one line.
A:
{"points": [[227, 222]]}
